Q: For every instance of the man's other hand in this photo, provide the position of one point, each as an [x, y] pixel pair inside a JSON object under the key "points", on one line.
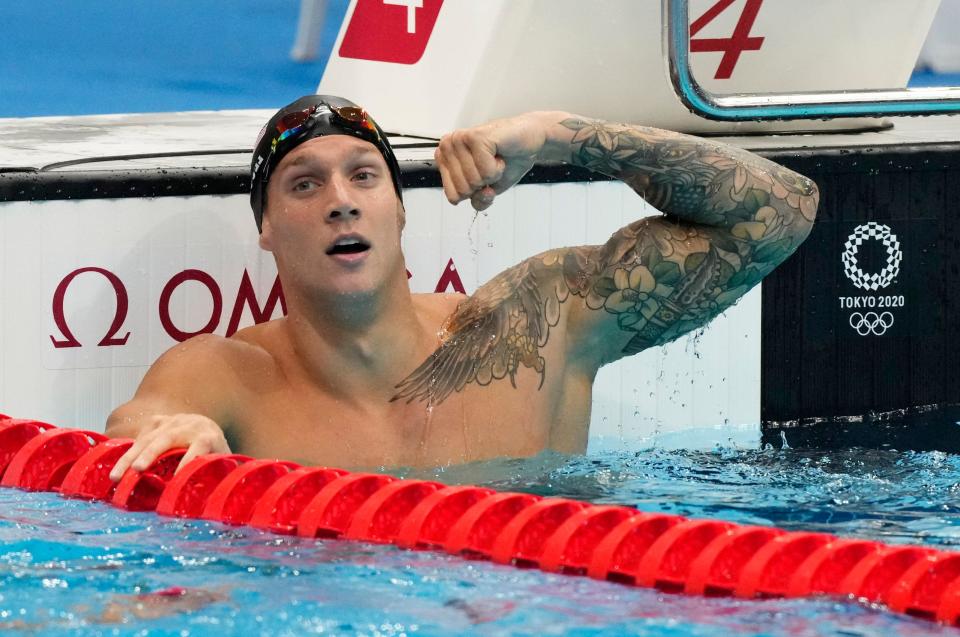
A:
{"points": [[481, 162], [199, 434]]}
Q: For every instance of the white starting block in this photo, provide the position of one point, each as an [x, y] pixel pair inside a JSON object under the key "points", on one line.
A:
{"points": [[425, 67]]}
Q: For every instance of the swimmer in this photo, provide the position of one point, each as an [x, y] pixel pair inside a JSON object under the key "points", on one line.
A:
{"points": [[122, 609], [362, 373], [126, 609]]}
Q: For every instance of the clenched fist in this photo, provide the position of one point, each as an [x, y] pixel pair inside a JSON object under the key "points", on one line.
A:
{"points": [[481, 162]]}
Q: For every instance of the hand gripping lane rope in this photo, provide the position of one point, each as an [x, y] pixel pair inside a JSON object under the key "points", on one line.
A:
{"points": [[615, 543]]}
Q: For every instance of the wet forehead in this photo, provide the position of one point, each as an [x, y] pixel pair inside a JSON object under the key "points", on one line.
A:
{"points": [[327, 150]]}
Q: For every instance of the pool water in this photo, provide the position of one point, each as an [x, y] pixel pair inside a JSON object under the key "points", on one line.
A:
{"points": [[89, 569]]}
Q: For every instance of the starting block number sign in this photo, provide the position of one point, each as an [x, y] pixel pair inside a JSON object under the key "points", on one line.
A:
{"points": [[731, 47], [426, 67], [398, 31], [390, 30]]}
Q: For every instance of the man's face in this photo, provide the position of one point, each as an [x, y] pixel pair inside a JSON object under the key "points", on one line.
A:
{"points": [[333, 219]]}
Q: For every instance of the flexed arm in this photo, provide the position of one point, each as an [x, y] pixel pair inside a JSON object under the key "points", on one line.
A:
{"points": [[730, 217]]}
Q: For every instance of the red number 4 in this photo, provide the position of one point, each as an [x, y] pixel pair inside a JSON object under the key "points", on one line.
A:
{"points": [[733, 46]]}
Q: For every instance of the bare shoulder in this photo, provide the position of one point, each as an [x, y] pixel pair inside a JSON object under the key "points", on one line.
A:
{"points": [[206, 352], [256, 342], [207, 375], [209, 368]]}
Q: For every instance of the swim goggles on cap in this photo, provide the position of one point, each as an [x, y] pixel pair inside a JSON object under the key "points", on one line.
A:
{"points": [[292, 123], [308, 117]]}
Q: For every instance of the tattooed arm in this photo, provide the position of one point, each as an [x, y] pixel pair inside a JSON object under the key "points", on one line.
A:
{"points": [[729, 218]]}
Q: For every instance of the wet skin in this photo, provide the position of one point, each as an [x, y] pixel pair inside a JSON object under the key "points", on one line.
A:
{"points": [[364, 374]]}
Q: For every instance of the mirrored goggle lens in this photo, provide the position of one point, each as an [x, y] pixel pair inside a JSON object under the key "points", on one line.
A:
{"points": [[290, 124], [356, 115]]}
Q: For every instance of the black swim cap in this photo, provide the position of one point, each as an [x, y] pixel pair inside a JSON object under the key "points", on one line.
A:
{"points": [[308, 117]]}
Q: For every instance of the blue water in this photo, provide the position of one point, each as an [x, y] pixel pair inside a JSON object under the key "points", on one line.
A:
{"points": [[88, 568]]}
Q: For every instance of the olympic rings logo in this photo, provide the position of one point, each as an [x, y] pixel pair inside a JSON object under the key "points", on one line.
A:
{"points": [[851, 266], [871, 323]]}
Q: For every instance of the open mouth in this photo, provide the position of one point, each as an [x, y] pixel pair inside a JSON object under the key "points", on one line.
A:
{"points": [[348, 245]]}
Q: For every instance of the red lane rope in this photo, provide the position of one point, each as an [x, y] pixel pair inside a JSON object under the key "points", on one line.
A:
{"points": [[615, 543]]}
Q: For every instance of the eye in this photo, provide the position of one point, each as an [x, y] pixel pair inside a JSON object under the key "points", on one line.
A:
{"points": [[303, 185], [364, 174]]}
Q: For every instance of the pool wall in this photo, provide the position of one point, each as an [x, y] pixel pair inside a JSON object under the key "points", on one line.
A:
{"points": [[859, 329], [96, 289], [111, 254]]}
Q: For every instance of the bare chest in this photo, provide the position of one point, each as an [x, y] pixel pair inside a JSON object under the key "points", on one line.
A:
{"points": [[478, 423]]}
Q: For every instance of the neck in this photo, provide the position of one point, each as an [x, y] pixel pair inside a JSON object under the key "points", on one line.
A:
{"points": [[357, 345]]}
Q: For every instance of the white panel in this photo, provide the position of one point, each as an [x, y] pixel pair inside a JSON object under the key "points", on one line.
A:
{"points": [[605, 210], [352, 77], [700, 381], [708, 380], [144, 243], [742, 382], [22, 307], [607, 62], [425, 253], [495, 236], [568, 214], [532, 215], [459, 238]]}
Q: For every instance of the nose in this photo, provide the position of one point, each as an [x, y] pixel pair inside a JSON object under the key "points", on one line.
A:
{"points": [[341, 206]]}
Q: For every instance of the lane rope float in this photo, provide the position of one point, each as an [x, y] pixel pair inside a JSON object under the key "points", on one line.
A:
{"points": [[615, 543]]}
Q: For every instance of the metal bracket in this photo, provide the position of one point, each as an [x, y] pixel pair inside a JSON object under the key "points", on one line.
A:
{"points": [[783, 106]]}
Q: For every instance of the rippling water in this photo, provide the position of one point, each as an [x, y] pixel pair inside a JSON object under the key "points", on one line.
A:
{"points": [[89, 569]]}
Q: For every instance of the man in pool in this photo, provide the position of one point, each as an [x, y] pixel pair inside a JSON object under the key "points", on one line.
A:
{"points": [[362, 373]]}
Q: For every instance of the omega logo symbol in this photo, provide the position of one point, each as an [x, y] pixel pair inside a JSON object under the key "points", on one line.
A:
{"points": [[246, 297]]}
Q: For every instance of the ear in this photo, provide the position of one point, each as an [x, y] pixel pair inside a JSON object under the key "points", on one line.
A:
{"points": [[401, 215], [266, 234]]}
